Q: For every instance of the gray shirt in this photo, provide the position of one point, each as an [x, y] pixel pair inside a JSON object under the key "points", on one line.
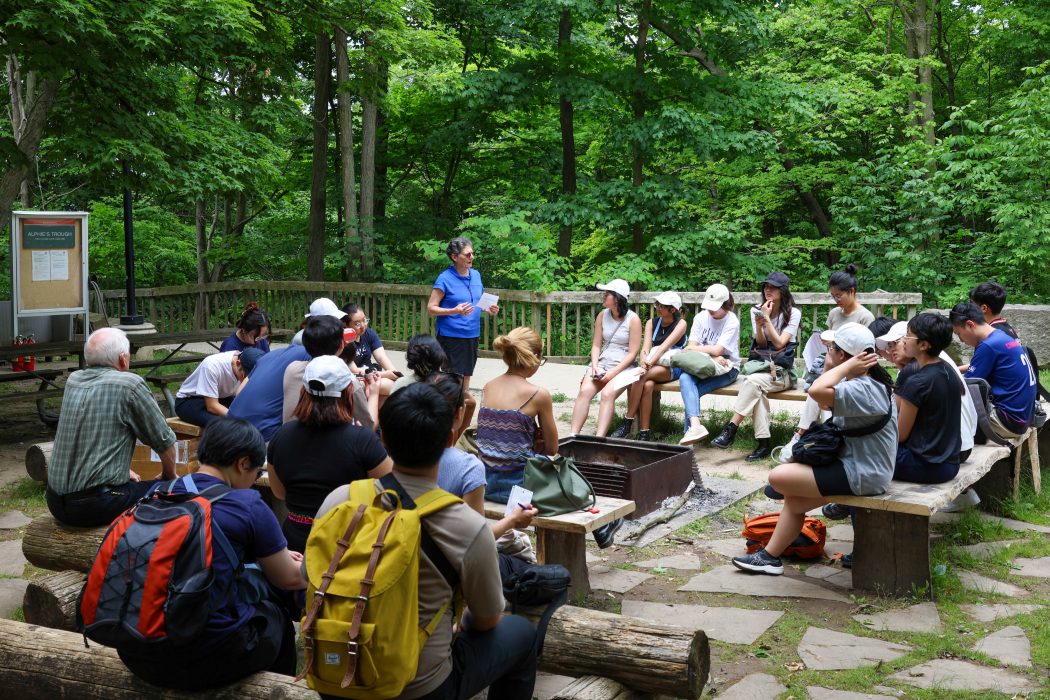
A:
{"points": [[837, 318], [869, 459]]}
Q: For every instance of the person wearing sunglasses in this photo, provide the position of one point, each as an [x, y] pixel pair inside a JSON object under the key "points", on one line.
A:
{"points": [[321, 447], [454, 302], [245, 635]]}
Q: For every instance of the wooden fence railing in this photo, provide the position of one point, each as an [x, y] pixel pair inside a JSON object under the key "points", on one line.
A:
{"points": [[564, 319]]}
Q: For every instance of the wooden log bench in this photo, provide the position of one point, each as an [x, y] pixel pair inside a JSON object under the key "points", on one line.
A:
{"points": [[562, 539], [646, 656], [891, 534]]}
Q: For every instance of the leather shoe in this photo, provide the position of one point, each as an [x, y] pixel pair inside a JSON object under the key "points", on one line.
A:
{"points": [[605, 535], [763, 451], [726, 437]]}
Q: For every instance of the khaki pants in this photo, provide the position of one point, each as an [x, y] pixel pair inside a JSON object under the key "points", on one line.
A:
{"points": [[1000, 429], [753, 400]]}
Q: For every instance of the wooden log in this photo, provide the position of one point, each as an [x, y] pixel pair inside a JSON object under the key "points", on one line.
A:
{"points": [[49, 544], [51, 600], [596, 688], [37, 459], [646, 656], [41, 663]]}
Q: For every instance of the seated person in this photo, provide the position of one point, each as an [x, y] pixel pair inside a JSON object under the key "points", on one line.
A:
{"points": [[1002, 362], [369, 353], [321, 306], [325, 338], [857, 392], [929, 405], [664, 331], [105, 409], [774, 327], [320, 447], [208, 392], [490, 650], [252, 328], [243, 636], [424, 356], [990, 298]]}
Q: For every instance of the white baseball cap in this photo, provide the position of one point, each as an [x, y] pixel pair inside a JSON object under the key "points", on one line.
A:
{"points": [[617, 285], [897, 331], [326, 375], [323, 306], [852, 338], [717, 294], [671, 299]]}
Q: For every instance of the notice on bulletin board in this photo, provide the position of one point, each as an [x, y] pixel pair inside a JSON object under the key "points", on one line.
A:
{"points": [[50, 265]]}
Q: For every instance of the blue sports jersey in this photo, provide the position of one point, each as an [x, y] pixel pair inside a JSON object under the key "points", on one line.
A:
{"points": [[1003, 363]]}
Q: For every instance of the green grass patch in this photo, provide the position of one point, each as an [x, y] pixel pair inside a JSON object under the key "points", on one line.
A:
{"points": [[25, 495], [1029, 506], [559, 397]]}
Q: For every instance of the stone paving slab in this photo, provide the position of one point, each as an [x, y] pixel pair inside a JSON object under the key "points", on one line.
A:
{"points": [[991, 613], [984, 550], [1036, 568], [828, 650], [952, 674], [729, 579], [607, 578], [983, 584], [918, 618], [548, 685], [815, 692], [727, 492], [12, 561], [12, 591], [1008, 523], [842, 532], [757, 686], [1009, 645], [591, 558], [831, 574], [14, 519], [681, 562], [730, 625], [733, 547]]}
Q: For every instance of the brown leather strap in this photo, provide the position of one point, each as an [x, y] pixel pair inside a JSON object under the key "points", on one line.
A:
{"points": [[326, 580], [362, 599]]}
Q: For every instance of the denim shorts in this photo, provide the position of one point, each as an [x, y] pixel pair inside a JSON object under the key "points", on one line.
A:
{"points": [[499, 483]]}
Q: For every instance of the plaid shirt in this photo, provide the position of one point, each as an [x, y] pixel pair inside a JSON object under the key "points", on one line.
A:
{"points": [[104, 410]]}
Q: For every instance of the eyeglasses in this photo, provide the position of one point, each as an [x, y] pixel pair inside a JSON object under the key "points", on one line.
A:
{"points": [[910, 337], [839, 296], [542, 359], [468, 255], [259, 471], [362, 322]]}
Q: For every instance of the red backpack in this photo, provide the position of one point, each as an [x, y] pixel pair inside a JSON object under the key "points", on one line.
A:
{"points": [[808, 545], [152, 578]]}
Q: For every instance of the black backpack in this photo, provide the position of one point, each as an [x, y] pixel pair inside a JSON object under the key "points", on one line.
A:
{"points": [[527, 584]]}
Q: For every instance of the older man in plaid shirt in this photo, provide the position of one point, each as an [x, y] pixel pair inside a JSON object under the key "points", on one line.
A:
{"points": [[105, 408]]}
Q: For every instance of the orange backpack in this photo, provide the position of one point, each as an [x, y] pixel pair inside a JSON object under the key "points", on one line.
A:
{"points": [[808, 545]]}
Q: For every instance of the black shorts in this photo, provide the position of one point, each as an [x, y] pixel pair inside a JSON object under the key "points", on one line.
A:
{"points": [[462, 354], [831, 479]]}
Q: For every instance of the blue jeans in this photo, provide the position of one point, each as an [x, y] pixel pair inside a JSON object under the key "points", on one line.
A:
{"points": [[499, 483], [692, 389]]}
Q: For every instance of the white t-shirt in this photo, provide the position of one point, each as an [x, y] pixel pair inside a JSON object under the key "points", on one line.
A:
{"points": [[213, 377], [968, 414], [723, 331], [778, 323]]}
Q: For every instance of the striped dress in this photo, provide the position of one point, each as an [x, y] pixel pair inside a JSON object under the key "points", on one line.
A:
{"points": [[505, 437]]}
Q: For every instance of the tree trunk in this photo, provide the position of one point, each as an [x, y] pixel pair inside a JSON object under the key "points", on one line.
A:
{"points": [[201, 231], [944, 53], [647, 656], [51, 600], [368, 171], [568, 136], [319, 169], [19, 100], [35, 116], [381, 188], [37, 459], [638, 108], [917, 47], [42, 664], [49, 544], [346, 157]]}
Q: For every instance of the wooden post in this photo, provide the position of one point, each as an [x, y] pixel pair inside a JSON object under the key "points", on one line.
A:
{"points": [[568, 549], [37, 458], [891, 553]]}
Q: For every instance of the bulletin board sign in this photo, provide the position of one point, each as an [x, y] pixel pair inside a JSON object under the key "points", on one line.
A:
{"points": [[49, 253]]}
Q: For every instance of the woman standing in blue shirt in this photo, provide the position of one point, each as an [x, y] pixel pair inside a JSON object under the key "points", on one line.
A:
{"points": [[454, 302]]}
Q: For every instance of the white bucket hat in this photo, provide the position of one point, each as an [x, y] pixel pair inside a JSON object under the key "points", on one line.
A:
{"points": [[618, 286]]}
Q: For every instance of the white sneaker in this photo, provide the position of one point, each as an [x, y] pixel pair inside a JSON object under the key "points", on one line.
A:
{"points": [[694, 434], [784, 454], [965, 499]]}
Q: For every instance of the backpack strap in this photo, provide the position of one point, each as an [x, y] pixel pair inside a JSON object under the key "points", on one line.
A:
{"points": [[979, 390], [874, 427], [432, 501]]}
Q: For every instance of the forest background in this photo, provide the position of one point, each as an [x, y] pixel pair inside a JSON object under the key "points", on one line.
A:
{"points": [[674, 144]]}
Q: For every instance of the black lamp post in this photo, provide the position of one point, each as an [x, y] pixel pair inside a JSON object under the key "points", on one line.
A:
{"points": [[134, 318]]}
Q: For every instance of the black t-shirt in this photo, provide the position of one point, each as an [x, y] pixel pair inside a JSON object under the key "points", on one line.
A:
{"points": [[311, 461], [935, 392], [905, 373], [1003, 325]]}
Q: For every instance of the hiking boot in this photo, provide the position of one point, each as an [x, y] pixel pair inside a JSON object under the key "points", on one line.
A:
{"points": [[847, 561], [624, 429], [605, 535], [763, 451], [643, 436], [695, 433], [835, 511], [760, 562], [772, 493], [784, 453], [726, 437]]}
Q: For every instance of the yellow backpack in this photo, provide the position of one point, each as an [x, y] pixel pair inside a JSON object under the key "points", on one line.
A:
{"points": [[362, 633]]}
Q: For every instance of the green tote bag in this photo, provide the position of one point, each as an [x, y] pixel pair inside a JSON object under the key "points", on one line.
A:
{"points": [[557, 485]]}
